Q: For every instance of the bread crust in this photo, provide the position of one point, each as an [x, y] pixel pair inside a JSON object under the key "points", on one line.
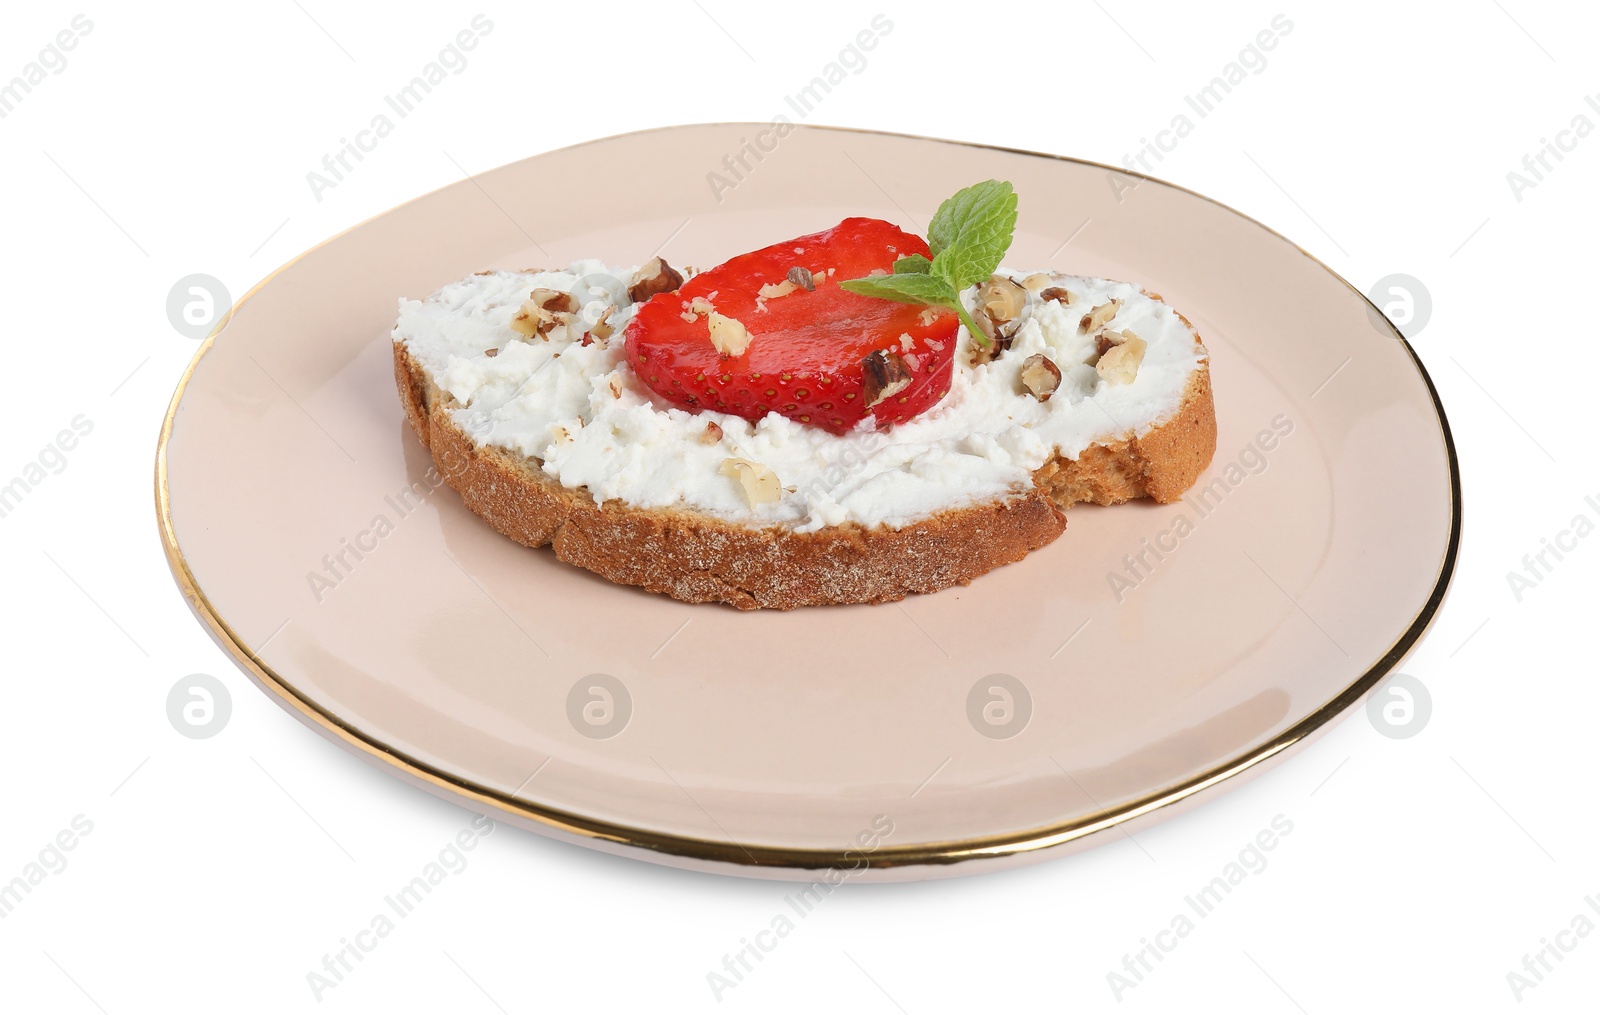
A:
{"points": [[698, 558]]}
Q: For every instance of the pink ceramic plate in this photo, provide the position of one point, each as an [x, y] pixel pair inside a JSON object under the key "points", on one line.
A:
{"points": [[1133, 666]]}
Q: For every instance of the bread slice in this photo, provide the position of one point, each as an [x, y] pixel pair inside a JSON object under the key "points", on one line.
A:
{"points": [[698, 557]]}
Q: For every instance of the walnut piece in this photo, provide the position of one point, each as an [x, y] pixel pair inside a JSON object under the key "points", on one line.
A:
{"points": [[1002, 299], [1099, 317], [1120, 363], [1056, 294], [802, 278], [759, 483], [712, 434], [730, 336], [602, 328], [653, 277], [542, 311], [772, 290], [884, 374], [1040, 376], [697, 306], [998, 315]]}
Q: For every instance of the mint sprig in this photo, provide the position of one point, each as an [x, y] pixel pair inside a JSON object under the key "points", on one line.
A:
{"points": [[968, 236]]}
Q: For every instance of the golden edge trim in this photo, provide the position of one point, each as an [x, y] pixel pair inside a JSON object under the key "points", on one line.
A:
{"points": [[748, 855]]}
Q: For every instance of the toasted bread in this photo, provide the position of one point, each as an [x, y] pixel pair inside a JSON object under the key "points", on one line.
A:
{"points": [[696, 556]]}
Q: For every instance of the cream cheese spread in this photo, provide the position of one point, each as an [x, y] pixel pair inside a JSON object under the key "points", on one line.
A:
{"points": [[580, 410]]}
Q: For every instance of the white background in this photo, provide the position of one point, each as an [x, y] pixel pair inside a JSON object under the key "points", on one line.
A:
{"points": [[1419, 872]]}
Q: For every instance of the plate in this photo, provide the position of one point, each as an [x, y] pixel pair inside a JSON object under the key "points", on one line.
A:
{"points": [[1143, 661]]}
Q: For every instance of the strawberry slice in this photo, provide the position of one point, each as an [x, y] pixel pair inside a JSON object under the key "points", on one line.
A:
{"points": [[822, 356]]}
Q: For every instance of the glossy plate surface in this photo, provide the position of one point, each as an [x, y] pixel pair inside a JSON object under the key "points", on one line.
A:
{"points": [[1129, 668]]}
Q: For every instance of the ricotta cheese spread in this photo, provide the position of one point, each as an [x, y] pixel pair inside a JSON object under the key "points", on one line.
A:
{"points": [[580, 410]]}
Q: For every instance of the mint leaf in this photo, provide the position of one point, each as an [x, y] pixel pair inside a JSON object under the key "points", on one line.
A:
{"points": [[947, 224], [971, 232], [904, 287], [929, 290], [968, 236]]}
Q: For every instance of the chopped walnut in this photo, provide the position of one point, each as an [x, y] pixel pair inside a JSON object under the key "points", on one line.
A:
{"points": [[1035, 282], [543, 310], [712, 434], [772, 290], [602, 328], [998, 335], [1001, 298], [802, 278], [698, 306], [1056, 294], [998, 316], [653, 277], [759, 483], [1120, 363], [1108, 340], [1040, 376], [884, 374], [554, 300], [1099, 317], [729, 335]]}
